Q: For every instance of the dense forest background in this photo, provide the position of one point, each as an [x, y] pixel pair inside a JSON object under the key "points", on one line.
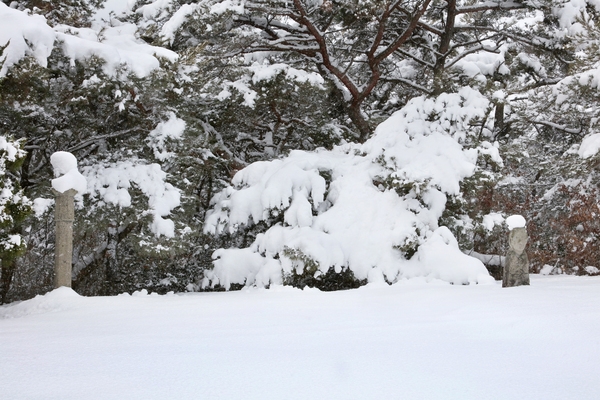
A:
{"points": [[163, 102]]}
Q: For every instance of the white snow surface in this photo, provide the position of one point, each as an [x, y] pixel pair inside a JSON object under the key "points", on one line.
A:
{"points": [[66, 173], [351, 219], [589, 146], [406, 341]]}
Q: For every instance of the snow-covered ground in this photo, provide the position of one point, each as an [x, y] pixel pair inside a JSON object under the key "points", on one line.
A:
{"points": [[407, 341]]}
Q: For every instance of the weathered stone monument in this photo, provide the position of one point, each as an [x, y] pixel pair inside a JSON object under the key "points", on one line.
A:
{"points": [[64, 215], [66, 185], [516, 264]]}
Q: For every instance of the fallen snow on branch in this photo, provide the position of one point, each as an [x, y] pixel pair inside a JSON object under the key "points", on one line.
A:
{"points": [[172, 129], [112, 183], [589, 146], [372, 208], [23, 35]]}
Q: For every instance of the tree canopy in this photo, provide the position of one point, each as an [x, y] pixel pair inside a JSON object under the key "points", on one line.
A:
{"points": [[176, 108]]}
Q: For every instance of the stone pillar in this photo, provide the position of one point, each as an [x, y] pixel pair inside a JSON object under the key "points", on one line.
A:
{"points": [[516, 266], [64, 215]]}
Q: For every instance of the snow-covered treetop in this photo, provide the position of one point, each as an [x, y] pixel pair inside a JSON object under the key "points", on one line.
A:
{"points": [[23, 34]]}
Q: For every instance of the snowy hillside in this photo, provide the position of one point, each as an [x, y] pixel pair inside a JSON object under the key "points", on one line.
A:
{"points": [[406, 341]]}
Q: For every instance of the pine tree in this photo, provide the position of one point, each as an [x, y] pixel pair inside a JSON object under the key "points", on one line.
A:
{"points": [[14, 209]]}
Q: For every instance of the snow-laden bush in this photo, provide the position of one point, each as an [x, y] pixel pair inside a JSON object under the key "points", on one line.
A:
{"points": [[370, 208]]}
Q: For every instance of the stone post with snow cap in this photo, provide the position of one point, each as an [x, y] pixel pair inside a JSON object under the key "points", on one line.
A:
{"points": [[67, 183], [516, 266]]}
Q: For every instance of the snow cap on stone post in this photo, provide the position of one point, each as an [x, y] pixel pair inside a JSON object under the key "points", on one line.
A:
{"points": [[515, 221], [66, 174]]}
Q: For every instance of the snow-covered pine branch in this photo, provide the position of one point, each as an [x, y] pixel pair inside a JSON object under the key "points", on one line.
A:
{"points": [[28, 35], [14, 208]]}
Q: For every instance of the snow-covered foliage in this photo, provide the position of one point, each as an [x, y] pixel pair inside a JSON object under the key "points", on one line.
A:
{"points": [[170, 130], [111, 183], [572, 14], [372, 208], [25, 34], [14, 208], [83, 80], [22, 35], [14, 205]]}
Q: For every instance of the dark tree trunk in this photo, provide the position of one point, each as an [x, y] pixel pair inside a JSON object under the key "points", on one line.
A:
{"points": [[445, 40], [499, 120], [110, 260], [6, 277], [358, 119]]}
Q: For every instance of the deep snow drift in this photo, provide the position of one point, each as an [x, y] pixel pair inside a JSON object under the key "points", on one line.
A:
{"points": [[406, 341]]}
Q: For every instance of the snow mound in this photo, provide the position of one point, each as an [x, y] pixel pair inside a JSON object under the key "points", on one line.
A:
{"points": [[592, 270], [60, 299], [372, 208], [63, 162], [440, 258]]}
